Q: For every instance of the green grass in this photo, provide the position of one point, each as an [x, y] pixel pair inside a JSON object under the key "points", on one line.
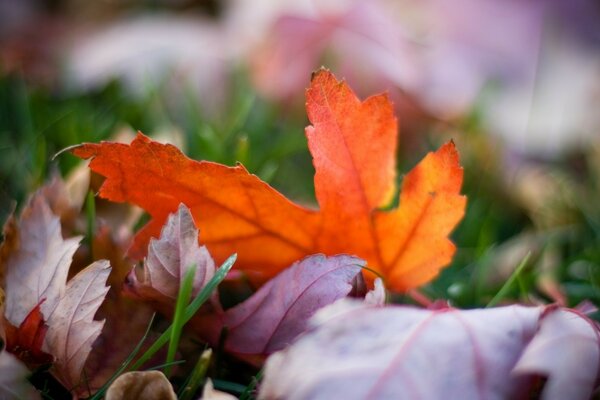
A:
{"points": [[183, 299], [172, 334]]}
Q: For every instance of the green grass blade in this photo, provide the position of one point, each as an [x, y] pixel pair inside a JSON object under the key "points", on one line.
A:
{"points": [[163, 365], [183, 299], [197, 376], [189, 311], [247, 393], [229, 386], [509, 282]]}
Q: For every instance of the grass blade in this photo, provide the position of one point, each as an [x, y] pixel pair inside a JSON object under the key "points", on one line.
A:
{"points": [[247, 393], [227, 386], [509, 282], [189, 311], [197, 376], [183, 299]]}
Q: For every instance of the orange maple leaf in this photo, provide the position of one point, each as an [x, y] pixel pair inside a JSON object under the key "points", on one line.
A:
{"points": [[353, 145]]}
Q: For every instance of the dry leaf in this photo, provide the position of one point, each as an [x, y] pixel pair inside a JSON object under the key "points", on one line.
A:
{"points": [[353, 145], [566, 351], [37, 269], [170, 257], [36, 265], [138, 385], [275, 315], [209, 393], [26, 341], [13, 379], [121, 314], [376, 297], [382, 352], [71, 326]]}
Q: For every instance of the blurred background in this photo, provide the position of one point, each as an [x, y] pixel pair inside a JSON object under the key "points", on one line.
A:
{"points": [[515, 83]]}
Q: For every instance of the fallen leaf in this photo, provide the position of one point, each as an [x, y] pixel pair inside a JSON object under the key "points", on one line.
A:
{"points": [[26, 341], [36, 264], [376, 297], [209, 393], [71, 326], [279, 311], [169, 258], [37, 269], [13, 379], [381, 353], [234, 210], [120, 313], [141, 385], [409, 244], [353, 145], [566, 350]]}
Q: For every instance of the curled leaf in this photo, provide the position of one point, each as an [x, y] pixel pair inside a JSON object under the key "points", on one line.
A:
{"points": [[169, 257], [361, 351], [566, 350]]}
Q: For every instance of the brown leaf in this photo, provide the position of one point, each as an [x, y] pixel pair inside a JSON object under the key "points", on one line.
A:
{"points": [[137, 385]]}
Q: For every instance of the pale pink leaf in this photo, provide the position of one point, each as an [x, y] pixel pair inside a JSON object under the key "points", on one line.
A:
{"points": [[71, 326], [170, 257], [13, 379], [275, 315], [210, 393], [37, 269], [376, 297], [566, 351], [405, 353]]}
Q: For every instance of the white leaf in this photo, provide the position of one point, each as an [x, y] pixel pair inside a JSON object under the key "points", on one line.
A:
{"points": [[566, 350]]}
